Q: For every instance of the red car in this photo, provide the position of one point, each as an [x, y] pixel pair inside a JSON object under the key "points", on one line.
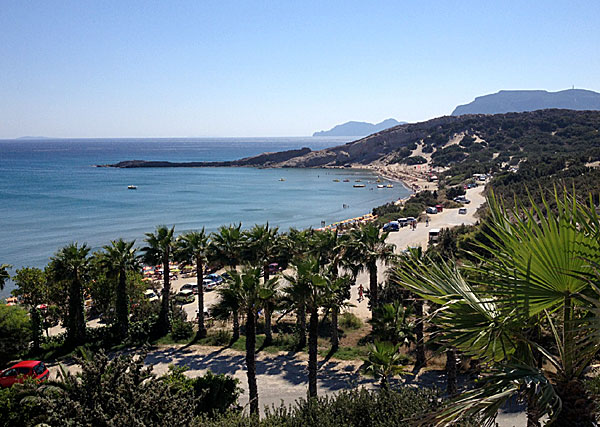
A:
{"points": [[27, 368]]}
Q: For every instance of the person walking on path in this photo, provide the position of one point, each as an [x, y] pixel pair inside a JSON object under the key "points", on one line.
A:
{"points": [[361, 291]]}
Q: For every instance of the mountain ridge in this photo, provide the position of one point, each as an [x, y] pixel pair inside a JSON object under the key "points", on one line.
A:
{"points": [[517, 101], [354, 128]]}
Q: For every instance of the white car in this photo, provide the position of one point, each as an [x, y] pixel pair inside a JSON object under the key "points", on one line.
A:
{"points": [[151, 295]]}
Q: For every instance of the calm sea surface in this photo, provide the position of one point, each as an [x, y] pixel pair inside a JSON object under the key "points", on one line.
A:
{"points": [[51, 195]]}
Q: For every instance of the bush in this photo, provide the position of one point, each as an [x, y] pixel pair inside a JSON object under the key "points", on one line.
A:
{"points": [[414, 160], [453, 192], [182, 330], [349, 321], [358, 407], [288, 342], [213, 394], [15, 332]]}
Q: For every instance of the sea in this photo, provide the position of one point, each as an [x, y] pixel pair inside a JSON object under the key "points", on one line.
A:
{"points": [[51, 194]]}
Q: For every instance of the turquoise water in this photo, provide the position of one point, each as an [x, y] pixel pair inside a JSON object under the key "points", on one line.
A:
{"points": [[51, 195]]}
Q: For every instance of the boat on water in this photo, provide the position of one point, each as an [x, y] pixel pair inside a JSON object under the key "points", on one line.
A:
{"points": [[358, 185], [132, 187], [390, 186], [346, 180], [281, 179], [380, 186], [378, 179], [336, 180], [357, 180]]}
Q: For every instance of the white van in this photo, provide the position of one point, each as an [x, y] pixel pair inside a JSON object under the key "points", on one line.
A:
{"points": [[434, 235]]}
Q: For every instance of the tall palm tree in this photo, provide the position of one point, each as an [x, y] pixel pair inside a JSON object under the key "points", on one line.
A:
{"points": [[193, 248], [262, 248], [159, 250], [230, 302], [338, 294], [251, 293], [536, 277], [309, 277], [367, 247], [119, 258], [412, 255], [4, 276], [227, 245], [70, 264]]}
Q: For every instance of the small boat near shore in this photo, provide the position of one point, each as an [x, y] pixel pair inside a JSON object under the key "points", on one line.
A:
{"points": [[132, 187], [359, 185], [380, 186], [281, 179], [346, 180], [336, 180]]}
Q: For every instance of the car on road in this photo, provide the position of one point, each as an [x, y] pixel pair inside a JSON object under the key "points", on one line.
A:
{"points": [[191, 286], [185, 296], [25, 369], [431, 210], [462, 211], [215, 278], [391, 226], [208, 284]]}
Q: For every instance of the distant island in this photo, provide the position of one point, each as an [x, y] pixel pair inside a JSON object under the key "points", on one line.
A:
{"points": [[518, 101], [32, 137], [358, 128]]}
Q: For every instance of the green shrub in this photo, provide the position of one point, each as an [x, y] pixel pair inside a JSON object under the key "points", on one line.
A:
{"points": [[181, 330], [286, 341], [350, 321], [15, 332], [358, 407]]}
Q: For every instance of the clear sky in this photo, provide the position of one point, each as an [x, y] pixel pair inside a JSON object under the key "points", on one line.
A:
{"points": [[276, 68]]}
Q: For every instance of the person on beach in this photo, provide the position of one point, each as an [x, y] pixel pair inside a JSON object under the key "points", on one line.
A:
{"points": [[361, 291]]}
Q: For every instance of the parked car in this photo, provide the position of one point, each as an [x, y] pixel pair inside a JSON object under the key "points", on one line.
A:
{"points": [[151, 295], [185, 296], [391, 226], [209, 284], [462, 211], [215, 278], [402, 222], [431, 210], [27, 368]]}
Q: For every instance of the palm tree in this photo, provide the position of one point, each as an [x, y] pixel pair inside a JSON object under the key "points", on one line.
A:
{"points": [[159, 251], [392, 324], [230, 302], [313, 286], [251, 293], [384, 362], [70, 264], [263, 248], [4, 276], [118, 259], [32, 288], [412, 255], [192, 248], [227, 245], [338, 294], [366, 248], [536, 277]]}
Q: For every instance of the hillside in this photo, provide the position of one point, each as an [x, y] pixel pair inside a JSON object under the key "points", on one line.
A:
{"points": [[469, 143], [507, 101], [358, 128]]}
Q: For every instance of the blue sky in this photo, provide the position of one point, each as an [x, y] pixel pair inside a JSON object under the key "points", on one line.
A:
{"points": [[276, 68]]}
